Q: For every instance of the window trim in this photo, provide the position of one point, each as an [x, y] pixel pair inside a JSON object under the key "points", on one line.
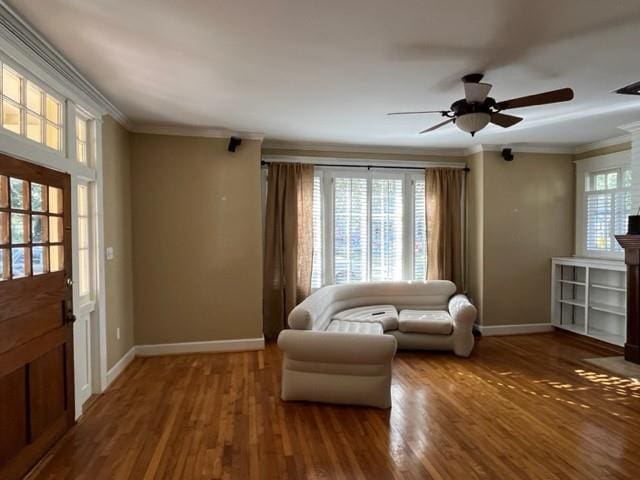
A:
{"points": [[584, 168]]}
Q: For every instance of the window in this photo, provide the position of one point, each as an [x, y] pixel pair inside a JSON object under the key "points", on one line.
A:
{"points": [[368, 226], [607, 206], [29, 111], [82, 138], [84, 267], [31, 228]]}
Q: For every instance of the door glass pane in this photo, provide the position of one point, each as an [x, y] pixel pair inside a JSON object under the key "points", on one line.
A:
{"points": [[55, 200], [83, 268], [55, 229], [53, 110], [20, 262], [4, 191], [38, 197], [19, 228], [34, 128], [19, 194], [11, 84], [40, 260], [4, 264], [56, 258], [4, 228], [39, 228], [53, 136], [34, 98], [11, 117]]}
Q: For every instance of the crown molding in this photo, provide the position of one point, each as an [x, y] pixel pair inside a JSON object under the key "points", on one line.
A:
{"points": [[522, 148], [182, 131], [30, 44], [607, 142], [364, 149]]}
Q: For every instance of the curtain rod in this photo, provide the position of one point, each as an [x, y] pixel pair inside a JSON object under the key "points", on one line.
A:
{"points": [[368, 167]]}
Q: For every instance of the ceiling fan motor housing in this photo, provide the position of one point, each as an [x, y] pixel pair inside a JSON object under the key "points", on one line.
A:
{"points": [[471, 117]]}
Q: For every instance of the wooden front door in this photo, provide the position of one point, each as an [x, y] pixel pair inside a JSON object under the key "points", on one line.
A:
{"points": [[36, 334]]}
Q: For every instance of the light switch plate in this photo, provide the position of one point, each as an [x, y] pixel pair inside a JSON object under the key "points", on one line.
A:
{"points": [[109, 253]]}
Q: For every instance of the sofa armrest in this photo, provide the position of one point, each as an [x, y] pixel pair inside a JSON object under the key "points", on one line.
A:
{"points": [[462, 312], [335, 347]]}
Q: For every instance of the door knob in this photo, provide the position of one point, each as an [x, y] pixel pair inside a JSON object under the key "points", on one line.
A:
{"points": [[69, 282]]}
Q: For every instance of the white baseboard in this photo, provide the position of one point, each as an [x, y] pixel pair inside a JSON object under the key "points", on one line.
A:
{"points": [[120, 365], [493, 330], [236, 345]]}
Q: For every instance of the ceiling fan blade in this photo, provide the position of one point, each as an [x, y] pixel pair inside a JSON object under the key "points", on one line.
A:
{"points": [[504, 120], [431, 129], [476, 92], [415, 113], [554, 96]]}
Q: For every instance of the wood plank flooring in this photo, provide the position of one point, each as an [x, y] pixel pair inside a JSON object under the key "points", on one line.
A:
{"points": [[522, 407]]}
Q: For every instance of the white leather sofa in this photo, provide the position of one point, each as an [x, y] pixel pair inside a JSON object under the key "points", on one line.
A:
{"points": [[342, 338]]}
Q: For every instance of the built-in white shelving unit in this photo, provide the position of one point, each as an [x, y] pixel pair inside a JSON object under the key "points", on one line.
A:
{"points": [[588, 296]]}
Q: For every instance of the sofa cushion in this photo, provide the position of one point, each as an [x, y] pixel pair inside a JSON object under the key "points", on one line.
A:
{"points": [[385, 315], [435, 322], [364, 328]]}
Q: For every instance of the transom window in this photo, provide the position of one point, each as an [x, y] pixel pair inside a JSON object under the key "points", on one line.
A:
{"points": [[607, 206], [368, 225], [82, 138], [30, 111], [31, 228]]}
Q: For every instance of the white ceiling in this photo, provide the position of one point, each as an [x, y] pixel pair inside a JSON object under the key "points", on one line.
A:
{"points": [[328, 70]]}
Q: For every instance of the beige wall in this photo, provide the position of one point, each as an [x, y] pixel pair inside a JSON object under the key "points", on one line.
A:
{"points": [[116, 154], [475, 230], [528, 207], [197, 239]]}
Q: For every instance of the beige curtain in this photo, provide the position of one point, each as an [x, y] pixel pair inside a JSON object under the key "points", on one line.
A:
{"points": [[443, 188], [288, 246]]}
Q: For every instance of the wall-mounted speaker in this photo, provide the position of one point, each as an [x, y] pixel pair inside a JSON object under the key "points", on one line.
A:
{"points": [[233, 143], [506, 154]]}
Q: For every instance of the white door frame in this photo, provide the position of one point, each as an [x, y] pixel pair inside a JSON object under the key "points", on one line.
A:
{"points": [[23, 59]]}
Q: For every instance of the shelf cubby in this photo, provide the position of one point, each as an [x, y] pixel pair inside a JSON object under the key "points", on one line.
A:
{"points": [[588, 296]]}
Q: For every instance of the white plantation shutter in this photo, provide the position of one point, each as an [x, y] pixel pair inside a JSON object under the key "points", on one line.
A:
{"points": [[351, 239], [386, 229], [607, 206], [419, 231], [316, 272]]}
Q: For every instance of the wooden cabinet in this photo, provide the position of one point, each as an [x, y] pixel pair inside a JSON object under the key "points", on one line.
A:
{"points": [[588, 296]]}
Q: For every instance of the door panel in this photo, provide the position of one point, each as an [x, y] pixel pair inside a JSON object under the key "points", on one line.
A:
{"points": [[13, 418], [36, 337], [46, 394]]}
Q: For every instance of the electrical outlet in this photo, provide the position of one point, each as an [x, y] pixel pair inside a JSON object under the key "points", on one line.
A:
{"points": [[109, 253], [118, 333]]}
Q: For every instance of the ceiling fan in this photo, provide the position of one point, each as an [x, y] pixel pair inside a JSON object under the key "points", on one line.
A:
{"points": [[472, 113]]}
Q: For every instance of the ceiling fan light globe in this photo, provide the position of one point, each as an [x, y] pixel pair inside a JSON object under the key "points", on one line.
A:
{"points": [[473, 122]]}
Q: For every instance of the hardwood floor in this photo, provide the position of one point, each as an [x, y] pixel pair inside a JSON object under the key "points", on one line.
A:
{"points": [[522, 407]]}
